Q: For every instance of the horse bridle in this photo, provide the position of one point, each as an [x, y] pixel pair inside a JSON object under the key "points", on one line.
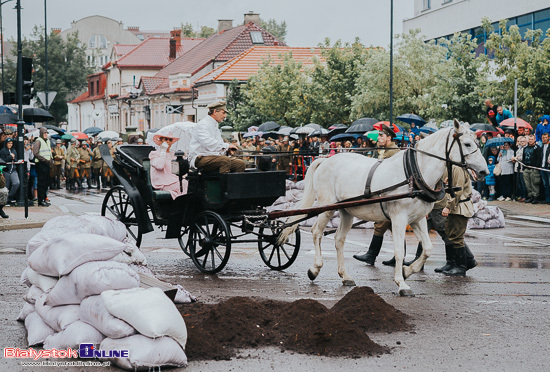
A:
{"points": [[448, 148]]}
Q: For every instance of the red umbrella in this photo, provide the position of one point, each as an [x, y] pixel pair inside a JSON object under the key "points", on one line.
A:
{"points": [[520, 123], [494, 132], [79, 135], [378, 126]]}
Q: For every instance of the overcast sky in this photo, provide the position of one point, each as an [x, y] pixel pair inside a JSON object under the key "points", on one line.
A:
{"points": [[308, 21]]}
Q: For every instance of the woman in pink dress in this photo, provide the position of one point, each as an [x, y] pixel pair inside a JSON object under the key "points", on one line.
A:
{"points": [[162, 177]]}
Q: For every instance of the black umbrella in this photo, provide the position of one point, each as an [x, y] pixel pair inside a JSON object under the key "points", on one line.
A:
{"points": [[313, 125], [268, 126], [36, 114], [319, 132], [8, 118], [483, 126], [336, 131], [273, 135], [362, 125], [92, 131], [365, 121], [53, 127], [412, 118]]}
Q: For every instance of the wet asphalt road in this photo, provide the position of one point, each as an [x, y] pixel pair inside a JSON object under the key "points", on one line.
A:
{"points": [[495, 319]]}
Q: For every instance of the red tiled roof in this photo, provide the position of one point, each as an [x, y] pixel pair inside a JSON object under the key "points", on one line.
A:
{"points": [[248, 63], [218, 47], [122, 49], [85, 97], [150, 83], [152, 53]]}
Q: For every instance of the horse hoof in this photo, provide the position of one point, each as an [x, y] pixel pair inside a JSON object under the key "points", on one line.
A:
{"points": [[349, 283], [406, 293], [310, 275]]}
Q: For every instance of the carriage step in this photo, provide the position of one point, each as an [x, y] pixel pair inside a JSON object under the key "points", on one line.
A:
{"points": [[147, 281]]}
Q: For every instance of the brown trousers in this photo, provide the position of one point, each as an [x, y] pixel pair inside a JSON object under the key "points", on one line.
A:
{"points": [[222, 164], [455, 227], [381, 227]]}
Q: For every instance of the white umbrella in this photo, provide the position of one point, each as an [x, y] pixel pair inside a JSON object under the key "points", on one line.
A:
{"points": [[285, 131], [304, 130], [183, 130], [108, 134]]}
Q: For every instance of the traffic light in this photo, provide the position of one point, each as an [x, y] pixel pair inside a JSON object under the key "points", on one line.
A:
{"points": [[28, 84], [9, 98]]}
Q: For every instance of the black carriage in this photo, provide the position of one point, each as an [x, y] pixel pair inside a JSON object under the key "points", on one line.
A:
{"points": [[218, 211]]}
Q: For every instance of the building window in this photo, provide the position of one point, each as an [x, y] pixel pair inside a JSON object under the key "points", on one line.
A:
{"points": [[426, 4], [447, 1], [97, 41], [256, 37], [525, 22], [542, 21]]}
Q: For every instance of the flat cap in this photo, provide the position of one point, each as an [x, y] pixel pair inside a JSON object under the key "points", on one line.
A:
{"points": [[58, 141], [388, 131], [73, 140], [218, 105], [43, 130]]}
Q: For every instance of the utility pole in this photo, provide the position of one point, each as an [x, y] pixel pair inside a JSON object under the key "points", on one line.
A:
{"points": [[46, 91], [391, 62], [21, 168]]}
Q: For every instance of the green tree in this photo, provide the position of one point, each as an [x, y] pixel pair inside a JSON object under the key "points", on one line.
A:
{"points": [[461, 82], [274, 28], [67, 68], [333, 82], [203, 32], [277, 92], [414, 76]]}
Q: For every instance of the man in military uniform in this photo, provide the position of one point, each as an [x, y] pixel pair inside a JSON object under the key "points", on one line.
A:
{"points": [[58, 153], [85, 164], [73, 157], [284, 161], [458, 210], [387, 149], [97, 162]]}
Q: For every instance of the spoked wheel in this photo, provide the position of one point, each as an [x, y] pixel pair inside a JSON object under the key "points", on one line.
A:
{"points": [[184, 240], [118, 203], [209, 242], [275, 256]]}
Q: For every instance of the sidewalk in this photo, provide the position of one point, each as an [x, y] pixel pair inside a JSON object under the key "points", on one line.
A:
{"points": [[38, 216]]}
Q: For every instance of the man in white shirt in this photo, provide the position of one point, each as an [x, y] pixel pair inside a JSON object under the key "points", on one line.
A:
{"points": [[207, 148], [545, 174]]}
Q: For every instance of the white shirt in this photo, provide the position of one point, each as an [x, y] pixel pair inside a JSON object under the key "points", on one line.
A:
{"points": [[545, 155], [206, 140]]}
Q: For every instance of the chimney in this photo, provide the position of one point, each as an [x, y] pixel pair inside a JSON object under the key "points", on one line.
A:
{"points": [[176, 35], [172, 54], [56, 31], [252, 17], [224, 25], [133, 28]]}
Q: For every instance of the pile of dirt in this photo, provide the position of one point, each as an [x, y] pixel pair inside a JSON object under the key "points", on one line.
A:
{"points": [[304, 326]]}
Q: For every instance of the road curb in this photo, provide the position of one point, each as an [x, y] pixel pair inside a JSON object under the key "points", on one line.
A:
{"points": [[24, 225]]}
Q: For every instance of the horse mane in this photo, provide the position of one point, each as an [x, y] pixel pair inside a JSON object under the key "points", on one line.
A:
{"points": [[430, 141]]}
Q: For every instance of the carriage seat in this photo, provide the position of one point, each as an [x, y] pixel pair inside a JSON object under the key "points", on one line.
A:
{"points": [[157, 194]]}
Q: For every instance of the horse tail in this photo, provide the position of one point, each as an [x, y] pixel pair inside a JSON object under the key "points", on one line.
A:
{"points": [[308, 198]]}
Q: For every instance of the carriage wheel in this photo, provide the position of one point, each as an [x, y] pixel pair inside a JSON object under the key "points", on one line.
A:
{"points": [[275, 256], [118, 203], [184, 240], [209, 242]]}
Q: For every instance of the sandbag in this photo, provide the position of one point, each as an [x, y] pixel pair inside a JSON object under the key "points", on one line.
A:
{"points": [[25, 311], [57, 317], [145, 352], [149, 311], [92, 310], [45, 283], [59, 256], [37, 330], [32, 294], [75, 334], [106, 226], [130, 255], [183, 296], [91, 279], [476, 223]]}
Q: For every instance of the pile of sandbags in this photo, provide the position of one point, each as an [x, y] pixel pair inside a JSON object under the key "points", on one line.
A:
{"points": [[294, 193], [485, 216], [84, 288]]}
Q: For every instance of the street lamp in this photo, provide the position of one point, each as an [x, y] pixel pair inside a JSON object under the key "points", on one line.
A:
{"points": [[2, 41]]}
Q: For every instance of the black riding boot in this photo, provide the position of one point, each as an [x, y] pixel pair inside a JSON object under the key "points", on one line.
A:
{"points": [[2, 213], [449, 256], [391, 261], [58, 182], [416, 256], [470, 260], [374, 250], [459, 268], [79, 182], [89, 182]]}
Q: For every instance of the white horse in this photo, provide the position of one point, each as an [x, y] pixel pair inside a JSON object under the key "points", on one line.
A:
{"points": [[343, 176]]}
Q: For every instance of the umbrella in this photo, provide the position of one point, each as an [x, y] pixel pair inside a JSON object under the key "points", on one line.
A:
{"points": [[79, 135], [303, 130], [519, 122], [447, 124], [269, 126], [498, 141], [335, 126], [64, 136], [36, 114], [226, 127], [54, 128], [294, 136], [8, 118], [285, 131], [335, 131], [252, 134], [252, 128], [396, 128], [108, 134], [412, 118], [372, 135], [482, 126], [273, 135], [319, 133], [428, 129], [313, 125], [362, 125], [7, 110], [365, 121], [345, 137], [92, 131], [401, 137]]}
